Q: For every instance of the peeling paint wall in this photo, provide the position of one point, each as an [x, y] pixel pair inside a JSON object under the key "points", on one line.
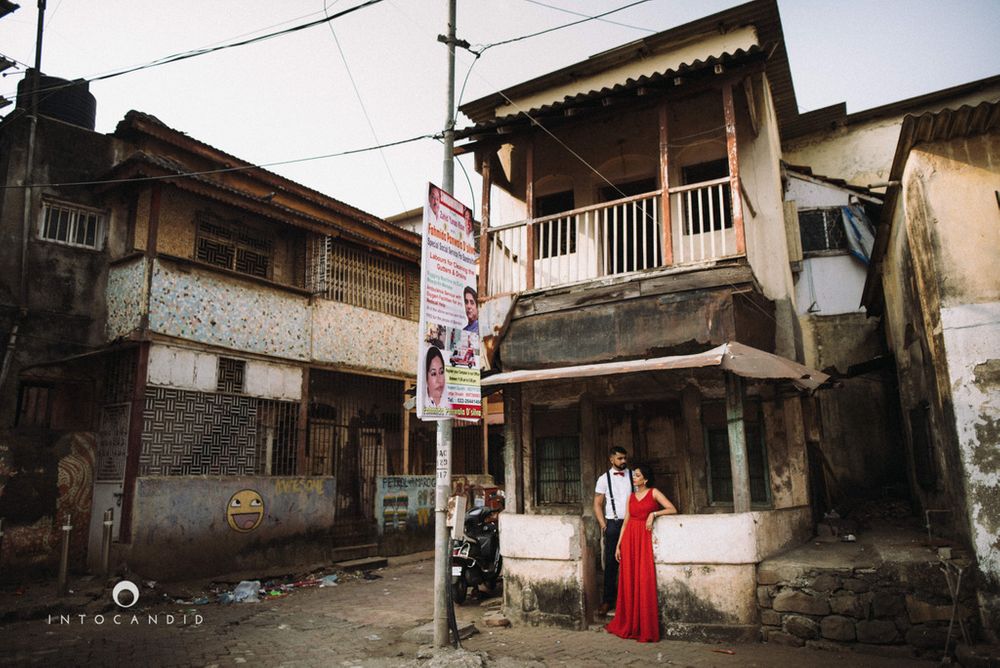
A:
{"points": [[942, 317], [202, 306], [126, 298], [345, 334]]}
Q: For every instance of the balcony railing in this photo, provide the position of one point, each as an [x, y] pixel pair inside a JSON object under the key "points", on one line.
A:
{"points": [[612, 238]]}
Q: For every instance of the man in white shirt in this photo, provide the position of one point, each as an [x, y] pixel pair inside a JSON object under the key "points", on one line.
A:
{"points": [[610, 500]]}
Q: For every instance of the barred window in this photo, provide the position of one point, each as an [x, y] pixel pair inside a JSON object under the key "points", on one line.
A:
{"points": [[720, 472], [557, 456], [822, 230], [360, 277], [230, 245], [71, 225]]}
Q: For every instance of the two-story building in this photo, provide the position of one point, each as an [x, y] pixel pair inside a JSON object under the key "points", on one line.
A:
{"points": [[216, 353], [638, 292]]}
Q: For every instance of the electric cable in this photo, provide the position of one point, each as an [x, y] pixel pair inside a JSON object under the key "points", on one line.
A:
{"points": [[361, 102], [570, 11], [185, 55]]}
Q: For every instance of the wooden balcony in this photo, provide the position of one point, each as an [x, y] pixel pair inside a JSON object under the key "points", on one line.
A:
{"points": [[615, 238]]}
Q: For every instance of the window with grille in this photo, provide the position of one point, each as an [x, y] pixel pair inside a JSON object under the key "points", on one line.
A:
{"points": [[720, 471], [556, 237], [34, 405], [231, 375], [557, 456], [71, 225], [362, 278], [822, 230], [229, 245]]}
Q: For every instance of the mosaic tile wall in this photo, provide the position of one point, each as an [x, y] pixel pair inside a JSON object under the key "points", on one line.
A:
{"points": [[200, 306], [346, 334], [125, 295]]}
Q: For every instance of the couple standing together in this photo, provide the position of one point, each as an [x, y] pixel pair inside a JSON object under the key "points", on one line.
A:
{"points": [[626, 504]]}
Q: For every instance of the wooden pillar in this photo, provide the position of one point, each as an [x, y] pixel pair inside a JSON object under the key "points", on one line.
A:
{"points": [[529, 200], [738, 460], [484, 235], [133, 446], [666, 229], [486, 437], [513, 471], [729, 113], [588, 454], [301, 461]]}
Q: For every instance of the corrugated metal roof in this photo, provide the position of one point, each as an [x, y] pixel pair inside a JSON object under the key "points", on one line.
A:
{"points": [[761, 14], [624, 88], [736, 358]]}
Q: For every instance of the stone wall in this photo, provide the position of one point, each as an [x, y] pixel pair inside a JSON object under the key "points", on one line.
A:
{"points": [[895, 609]]}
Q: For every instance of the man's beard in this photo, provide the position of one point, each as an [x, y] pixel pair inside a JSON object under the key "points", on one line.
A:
{"points": [[620, 468]]}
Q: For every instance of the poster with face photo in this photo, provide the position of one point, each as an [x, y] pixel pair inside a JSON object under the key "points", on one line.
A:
{"points": [[448, 361]]}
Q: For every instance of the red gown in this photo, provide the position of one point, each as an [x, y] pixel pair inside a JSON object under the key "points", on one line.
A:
{"points": [[638, 613]]}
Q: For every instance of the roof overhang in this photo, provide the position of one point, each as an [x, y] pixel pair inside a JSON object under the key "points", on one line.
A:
{"points": [[736, 358]]}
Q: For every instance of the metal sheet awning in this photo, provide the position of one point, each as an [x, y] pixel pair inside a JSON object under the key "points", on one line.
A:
{"points": [[734, 357]]}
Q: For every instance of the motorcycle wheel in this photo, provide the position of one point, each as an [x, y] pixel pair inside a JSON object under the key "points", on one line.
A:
{"points": [[458, 590]]}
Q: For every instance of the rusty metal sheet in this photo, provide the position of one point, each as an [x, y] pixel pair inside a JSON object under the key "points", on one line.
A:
{"points": [[736, 358]]}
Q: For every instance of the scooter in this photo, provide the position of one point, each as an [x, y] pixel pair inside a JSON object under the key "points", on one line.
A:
{"points": [[475, 559]]}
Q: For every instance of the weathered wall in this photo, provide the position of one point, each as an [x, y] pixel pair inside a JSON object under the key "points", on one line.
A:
{"points": [[763, 215], [200, 305], [862, 151], [357, 337], [543, 579], [404, 510], [184, 526], [943, 321], [125, 298], [182, 368]]}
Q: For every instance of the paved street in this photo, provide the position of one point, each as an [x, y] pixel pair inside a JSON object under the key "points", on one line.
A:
{"points": [[359, 623]]}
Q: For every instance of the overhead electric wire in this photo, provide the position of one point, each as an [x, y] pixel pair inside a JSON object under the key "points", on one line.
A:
{"points": [[223, 170], [185, 55], [570, 11], [361, 102]]}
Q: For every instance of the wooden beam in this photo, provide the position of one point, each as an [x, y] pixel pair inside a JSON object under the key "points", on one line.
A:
{"points": [[734, 167], [529, 200], [486, 436], [484, 234], [513, 462], [133, 444], [666, 229], [738, 460]]}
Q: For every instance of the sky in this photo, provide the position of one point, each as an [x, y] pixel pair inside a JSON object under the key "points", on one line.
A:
{"points": [[378, 75]]}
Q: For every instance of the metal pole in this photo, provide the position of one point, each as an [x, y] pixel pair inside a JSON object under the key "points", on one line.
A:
{"points": [[1, 540], [109, 523], [64, 557], [442, 544]]}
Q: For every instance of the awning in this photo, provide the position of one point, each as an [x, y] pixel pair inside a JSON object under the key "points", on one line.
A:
{"points": [[734, 357]]}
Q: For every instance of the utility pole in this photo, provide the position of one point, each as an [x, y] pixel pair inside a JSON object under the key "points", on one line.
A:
{"points": [[34, 83], [442, 542]]}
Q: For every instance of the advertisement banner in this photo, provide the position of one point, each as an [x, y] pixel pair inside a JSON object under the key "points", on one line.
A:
{"points": [[448, 361]]}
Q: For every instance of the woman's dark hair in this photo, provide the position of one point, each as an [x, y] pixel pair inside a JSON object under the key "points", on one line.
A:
{"points": [[470, 291], [647, 473], [432, 352]]}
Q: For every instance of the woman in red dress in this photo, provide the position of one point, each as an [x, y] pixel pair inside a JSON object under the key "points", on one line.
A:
{"points": [[638, 613]]}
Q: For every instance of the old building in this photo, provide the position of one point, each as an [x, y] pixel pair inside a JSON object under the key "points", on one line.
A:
{"points": [[214, 352], [933, 283], [638, 291]]}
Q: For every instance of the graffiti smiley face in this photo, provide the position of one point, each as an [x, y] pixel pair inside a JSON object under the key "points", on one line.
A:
{"points": [[245, 510]]}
